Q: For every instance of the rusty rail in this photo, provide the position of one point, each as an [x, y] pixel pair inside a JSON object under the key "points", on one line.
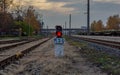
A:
{"points": [[14, 57]]}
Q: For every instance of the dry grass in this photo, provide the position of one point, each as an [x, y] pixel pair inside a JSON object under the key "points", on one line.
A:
{"points": [[107, 63]]}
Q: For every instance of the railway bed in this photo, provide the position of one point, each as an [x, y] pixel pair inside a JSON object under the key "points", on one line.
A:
{"points": [[105, 38], [14, 44], [8, 46], [11, 41], [14, 54], [114, 44], [109, 47]]}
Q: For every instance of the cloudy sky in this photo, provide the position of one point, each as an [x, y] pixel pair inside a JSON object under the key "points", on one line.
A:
{"points": [[56, 12]]}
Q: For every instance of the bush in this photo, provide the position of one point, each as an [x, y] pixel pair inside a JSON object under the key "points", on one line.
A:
{"points": [[26, 28]]}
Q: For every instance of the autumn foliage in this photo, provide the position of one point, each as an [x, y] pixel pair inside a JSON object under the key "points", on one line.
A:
{"points": [[113, 23], [97, 26], [5, 4], [6, 21], [23, 21], [30, 18]]}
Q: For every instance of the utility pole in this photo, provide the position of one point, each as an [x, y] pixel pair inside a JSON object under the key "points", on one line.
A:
{"points": [[65, 28], [47, 30], [88, 17], [29, 15], [20, 29], [70, 25], [29, 23], [29, 27]]}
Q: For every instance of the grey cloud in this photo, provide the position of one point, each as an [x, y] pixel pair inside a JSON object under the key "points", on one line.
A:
{"points": [[102, 10], [99, 10], [100, 6]]}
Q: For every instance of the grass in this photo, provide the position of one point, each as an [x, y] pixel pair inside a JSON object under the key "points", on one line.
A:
{"points": [[108, 63], [7, 37]]}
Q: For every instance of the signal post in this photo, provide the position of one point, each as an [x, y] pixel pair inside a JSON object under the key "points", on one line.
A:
{"points": [[59, 42]]}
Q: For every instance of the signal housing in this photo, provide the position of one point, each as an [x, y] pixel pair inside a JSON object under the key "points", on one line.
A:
{"points": [[59, 31]]}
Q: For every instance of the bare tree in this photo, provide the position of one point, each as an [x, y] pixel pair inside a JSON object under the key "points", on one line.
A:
{"points": [[5, 4]]}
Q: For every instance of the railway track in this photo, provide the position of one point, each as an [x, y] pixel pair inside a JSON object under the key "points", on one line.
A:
{"points": [[11, 41], [112, 44], [16, 53], [9, 45]]}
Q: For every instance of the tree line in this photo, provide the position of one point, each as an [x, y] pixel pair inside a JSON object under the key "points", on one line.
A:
{"points": [[113, 23], [24, 20]]}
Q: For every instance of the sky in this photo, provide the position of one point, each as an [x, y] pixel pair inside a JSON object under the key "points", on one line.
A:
{"points": [[56, 12]]}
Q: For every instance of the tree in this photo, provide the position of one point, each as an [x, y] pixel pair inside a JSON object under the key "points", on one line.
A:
{"points": [[25, 27], [18, 11], [93, 26], [99, 26], [113, 22], [4, 5], [31, 19], [6, 21], [6, 18]]}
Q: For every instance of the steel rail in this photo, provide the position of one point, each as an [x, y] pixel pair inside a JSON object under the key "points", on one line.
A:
{"points": [[102, 42], [5, 47], [8, 60]]}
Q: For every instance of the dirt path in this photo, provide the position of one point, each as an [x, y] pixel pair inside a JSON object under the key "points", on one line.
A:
{"points": [[42, 61]]}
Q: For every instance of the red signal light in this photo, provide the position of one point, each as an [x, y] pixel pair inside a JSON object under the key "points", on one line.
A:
{"points": [[59, 34]]}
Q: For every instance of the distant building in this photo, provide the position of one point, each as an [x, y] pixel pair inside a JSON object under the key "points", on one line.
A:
{"points": [[83, 27]]}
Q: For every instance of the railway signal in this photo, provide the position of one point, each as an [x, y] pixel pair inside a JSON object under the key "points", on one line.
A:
{"points": [[58, 31], [59, 42], [59, 34]]}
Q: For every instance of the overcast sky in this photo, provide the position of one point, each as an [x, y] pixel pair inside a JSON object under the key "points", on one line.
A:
{"points": [[56, 12]]}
